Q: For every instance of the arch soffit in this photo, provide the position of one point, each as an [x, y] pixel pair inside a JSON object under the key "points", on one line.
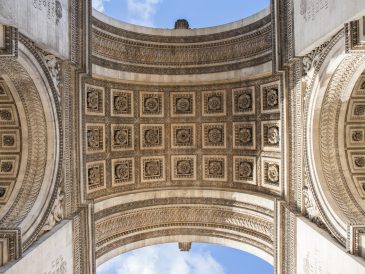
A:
{"points": [[239, 220], [334, 75], [28, 205]]}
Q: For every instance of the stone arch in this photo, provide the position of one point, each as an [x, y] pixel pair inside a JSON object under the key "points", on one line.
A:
{"points": [[240, 220], [35, 190], [330, 83]]}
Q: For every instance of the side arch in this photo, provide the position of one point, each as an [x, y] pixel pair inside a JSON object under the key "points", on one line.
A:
{"points": [[239, 220], [36, 186], [333, 77]]}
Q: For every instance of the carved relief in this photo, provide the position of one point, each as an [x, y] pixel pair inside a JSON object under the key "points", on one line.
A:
{"points": [[94, 100], [250, 45], [183, 136], [271, 173], [183, 167], [122, 137], [214, 135], [214, 103], [270, 98], [10, 140], [9, 165], [244, 169], [153, 169], [243, 101], [244, 135], [182, 104], [215, 168], [121, 103], [152, 104], [95, 172], [56, 214], [152, 136], [122, 171], [271, 135], [95, 138]]}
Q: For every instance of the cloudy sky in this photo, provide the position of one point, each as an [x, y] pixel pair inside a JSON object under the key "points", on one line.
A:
{"points": [[163, 13], [202, 259]]}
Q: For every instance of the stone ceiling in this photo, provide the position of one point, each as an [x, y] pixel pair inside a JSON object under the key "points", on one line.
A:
{"points": [[138, 137]]}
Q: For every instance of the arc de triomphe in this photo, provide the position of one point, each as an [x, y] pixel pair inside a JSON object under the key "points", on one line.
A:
{"points": [[115, 136]]}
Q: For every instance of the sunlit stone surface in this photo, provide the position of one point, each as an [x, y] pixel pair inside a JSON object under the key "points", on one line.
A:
{"points": [[115, 137]]}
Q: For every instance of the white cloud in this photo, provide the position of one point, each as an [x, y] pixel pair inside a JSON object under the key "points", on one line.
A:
{"points": [[99, 5], [166, 259], [141, 12]]}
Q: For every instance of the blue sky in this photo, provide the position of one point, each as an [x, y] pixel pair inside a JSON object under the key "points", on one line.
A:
{"points": [[163, 13], [201, 259]]}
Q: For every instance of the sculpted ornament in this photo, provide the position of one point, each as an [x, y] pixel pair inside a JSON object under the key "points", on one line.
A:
{"points": [[183, 136], [54, 68], [273, 173], [214, 103], [357, 136], [245, 135], [8, 141], [94, 176], [184, 167], [273, 135], [244, 101], [151, 104], [215, 136], [310, 207], [359, 110], [6, 167], [121, 137], [5, 115], [93, 99], [215, 168], [2, 191], [311, 60], [93, 138], [152, 168], [122, 171], [360, 161], [121, 103], [152, 137], [183, 105], [56, 214], [272, 97], [245, 170]]}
